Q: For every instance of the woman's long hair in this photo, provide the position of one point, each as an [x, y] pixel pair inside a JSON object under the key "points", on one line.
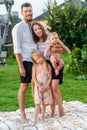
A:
{"points": [[35, 37]]}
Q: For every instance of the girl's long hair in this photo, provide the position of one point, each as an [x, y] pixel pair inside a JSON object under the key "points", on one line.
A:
{"points": [[44, 34], [37, 54]]}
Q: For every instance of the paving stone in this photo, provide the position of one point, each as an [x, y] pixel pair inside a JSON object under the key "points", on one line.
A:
{"points": [[75, 119]]}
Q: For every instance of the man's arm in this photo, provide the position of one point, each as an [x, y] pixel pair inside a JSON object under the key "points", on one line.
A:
{"points": [[20, 65], [17, 36]]}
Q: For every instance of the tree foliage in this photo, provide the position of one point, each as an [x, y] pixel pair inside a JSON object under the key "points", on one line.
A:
{"points": [[15, 19], [70, 22]]}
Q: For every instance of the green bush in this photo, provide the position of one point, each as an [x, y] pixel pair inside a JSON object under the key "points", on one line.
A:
{"points": [[70, 22], [76, 54], [78, 65], [84, 51]]}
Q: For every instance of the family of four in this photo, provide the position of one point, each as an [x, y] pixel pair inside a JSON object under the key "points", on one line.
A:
{"points": [[39, 58]]}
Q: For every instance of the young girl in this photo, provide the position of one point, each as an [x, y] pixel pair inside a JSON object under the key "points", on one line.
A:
{"points": [[41, 77], [54, 56]]}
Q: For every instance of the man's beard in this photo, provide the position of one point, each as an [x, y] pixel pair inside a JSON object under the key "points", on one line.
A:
{"points": [[28, 20]]}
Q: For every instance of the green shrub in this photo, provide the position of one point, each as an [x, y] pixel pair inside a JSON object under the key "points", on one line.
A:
{"points": [[69, 20], [78, 65], [76, 54], [84, 51]]}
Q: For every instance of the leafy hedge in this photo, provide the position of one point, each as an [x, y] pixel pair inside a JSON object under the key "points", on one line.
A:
{"points": [[70, 22], [78, 65]]}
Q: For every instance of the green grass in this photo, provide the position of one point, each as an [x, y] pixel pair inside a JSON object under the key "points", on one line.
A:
{"points": [[74, 89], [9, 84]]}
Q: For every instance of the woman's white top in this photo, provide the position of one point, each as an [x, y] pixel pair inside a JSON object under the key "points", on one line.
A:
{"points": [[41, 46]]}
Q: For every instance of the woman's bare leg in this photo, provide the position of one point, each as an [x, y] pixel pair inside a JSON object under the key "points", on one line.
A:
{"points": [[52, 109], [57, 96]]}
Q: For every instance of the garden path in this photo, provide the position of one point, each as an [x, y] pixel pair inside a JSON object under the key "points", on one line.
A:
{"points": [[75, 119]]}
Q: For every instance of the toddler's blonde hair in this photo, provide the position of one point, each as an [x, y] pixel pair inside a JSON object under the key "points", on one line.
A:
{"points": [[53, 34], [38, 54]]}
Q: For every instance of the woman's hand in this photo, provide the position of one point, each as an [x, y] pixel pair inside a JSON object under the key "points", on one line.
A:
{"points": [[57, 50]]}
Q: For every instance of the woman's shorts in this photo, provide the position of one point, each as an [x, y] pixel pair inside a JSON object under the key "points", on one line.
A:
{"points": [[28, 69], [54, 76]]}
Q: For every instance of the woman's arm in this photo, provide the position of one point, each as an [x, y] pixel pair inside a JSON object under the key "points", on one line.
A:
{"points": [[64, 47], [47, 50]]}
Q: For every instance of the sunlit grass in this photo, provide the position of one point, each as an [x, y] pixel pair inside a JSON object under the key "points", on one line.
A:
{"points": [[71, 89]]}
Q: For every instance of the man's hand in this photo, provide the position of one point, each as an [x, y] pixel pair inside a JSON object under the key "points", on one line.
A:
{"points": [[22, 72]]}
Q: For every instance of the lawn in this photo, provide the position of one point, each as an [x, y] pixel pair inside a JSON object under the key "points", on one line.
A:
{"points": [[71, 89]]}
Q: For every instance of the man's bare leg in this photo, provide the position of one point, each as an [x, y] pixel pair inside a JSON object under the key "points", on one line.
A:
{"points": [[21, 100]]}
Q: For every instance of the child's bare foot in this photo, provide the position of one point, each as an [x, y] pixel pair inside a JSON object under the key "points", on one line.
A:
{"points": [[33, 124]]}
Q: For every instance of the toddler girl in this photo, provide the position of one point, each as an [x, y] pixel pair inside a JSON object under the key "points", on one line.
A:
{"points": [[41, 90]]}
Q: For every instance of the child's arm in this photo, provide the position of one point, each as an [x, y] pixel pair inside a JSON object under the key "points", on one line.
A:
{"points": [[32, 89], [64, 47], [34, 77], [33, 73], [34, 81], [49, 78]]}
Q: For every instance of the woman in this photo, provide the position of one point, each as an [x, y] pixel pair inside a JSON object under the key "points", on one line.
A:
{"points": [[42, 39]]}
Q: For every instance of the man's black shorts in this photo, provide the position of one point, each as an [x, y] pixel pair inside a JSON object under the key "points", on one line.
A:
{"points": [[28, 69], [54, 76]]}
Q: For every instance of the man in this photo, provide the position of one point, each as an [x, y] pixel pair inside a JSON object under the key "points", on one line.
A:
{"points": [[23, 47]]}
